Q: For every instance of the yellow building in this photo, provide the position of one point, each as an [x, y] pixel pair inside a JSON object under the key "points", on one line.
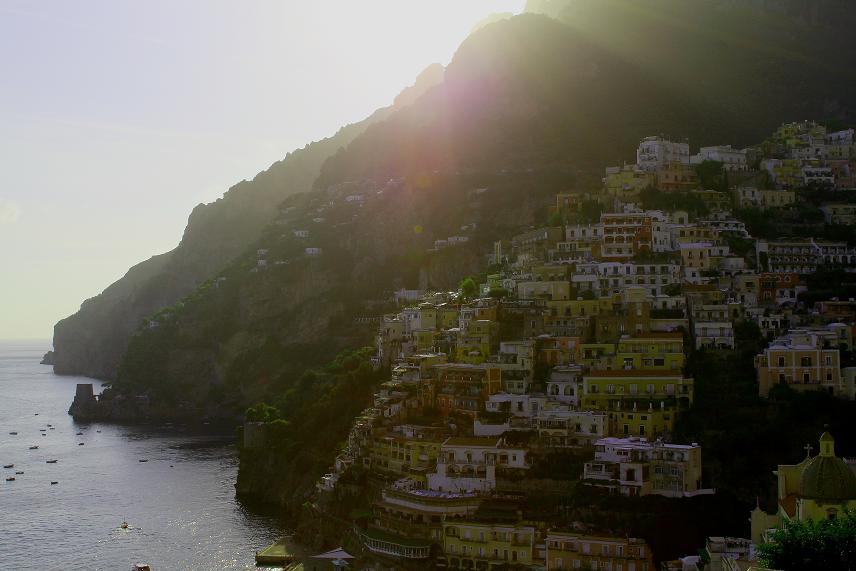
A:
{"points": [[640, 403], [696, 255], [477, 342], [552, 290], [690, 234], [596, 356], [424, 340], [839, 213], [803, 367], [487, 546], [627, 182], [649, 422], [818, 488], [675, 176], [401, 456], [428, 316], [447, 316], [568, 551], [603, 389], [651, 351]]}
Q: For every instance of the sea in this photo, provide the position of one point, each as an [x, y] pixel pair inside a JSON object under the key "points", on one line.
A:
{"points": [[180, 504]]}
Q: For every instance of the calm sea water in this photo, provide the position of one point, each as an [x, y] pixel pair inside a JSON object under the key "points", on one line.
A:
{"points": [[180, 505]]}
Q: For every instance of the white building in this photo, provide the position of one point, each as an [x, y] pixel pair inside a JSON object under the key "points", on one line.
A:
{"points": [[731, 159], [654, 152], [635, 467], [469, 464]]}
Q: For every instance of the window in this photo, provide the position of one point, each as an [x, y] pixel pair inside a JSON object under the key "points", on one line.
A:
{"points": [[781, 361]]}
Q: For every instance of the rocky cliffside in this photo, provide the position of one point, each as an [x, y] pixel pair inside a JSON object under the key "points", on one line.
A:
{"points": [[92, 341]]}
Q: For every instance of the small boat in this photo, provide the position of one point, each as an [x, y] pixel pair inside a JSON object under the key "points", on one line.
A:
{"points": [[10, 479], [79, 434], [54, 483], [141, 567], [143, 460], [50, 461], [8, 465], [49, 425], [35, 414], [19, 472], [52, 428], [98, 431], [13, 433], [34, 447], [43, 430], [80, 443], [124, 525]]}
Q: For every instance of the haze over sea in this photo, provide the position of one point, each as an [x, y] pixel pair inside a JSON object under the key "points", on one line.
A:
{"points": [[180, 505]]}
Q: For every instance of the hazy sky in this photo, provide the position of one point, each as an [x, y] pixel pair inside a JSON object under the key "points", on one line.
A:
{"points": [[117, 117]]}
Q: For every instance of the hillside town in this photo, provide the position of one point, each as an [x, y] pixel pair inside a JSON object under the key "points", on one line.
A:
{"points": [[577, 340]]}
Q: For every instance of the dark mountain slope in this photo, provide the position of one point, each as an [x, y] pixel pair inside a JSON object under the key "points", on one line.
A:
{"points": [[92, 341], [533, 91]]}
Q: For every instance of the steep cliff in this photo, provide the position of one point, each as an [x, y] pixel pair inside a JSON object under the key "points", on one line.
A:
{"points": [[92, 341]]}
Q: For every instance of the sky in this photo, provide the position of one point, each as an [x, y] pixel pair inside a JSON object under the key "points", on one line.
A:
{"points": [[118, 117]]}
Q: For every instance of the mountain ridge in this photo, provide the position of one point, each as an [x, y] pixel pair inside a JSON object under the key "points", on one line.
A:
{"points": [[92, 341]]}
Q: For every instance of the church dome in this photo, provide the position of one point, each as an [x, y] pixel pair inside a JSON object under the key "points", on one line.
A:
{"points": [[827, 477]]}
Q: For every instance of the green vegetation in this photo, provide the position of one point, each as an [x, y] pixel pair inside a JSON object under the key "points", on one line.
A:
{"points": [[653, 199], [745, 436], [320, 407], [810, 545], [468, 288], [712, 176]]}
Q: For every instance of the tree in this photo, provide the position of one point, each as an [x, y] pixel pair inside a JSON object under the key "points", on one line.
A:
{"points": [[590, 211], [809, 545], [468, 288], [498, 292], [672, 289], [555, 219], [262, 413]]}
